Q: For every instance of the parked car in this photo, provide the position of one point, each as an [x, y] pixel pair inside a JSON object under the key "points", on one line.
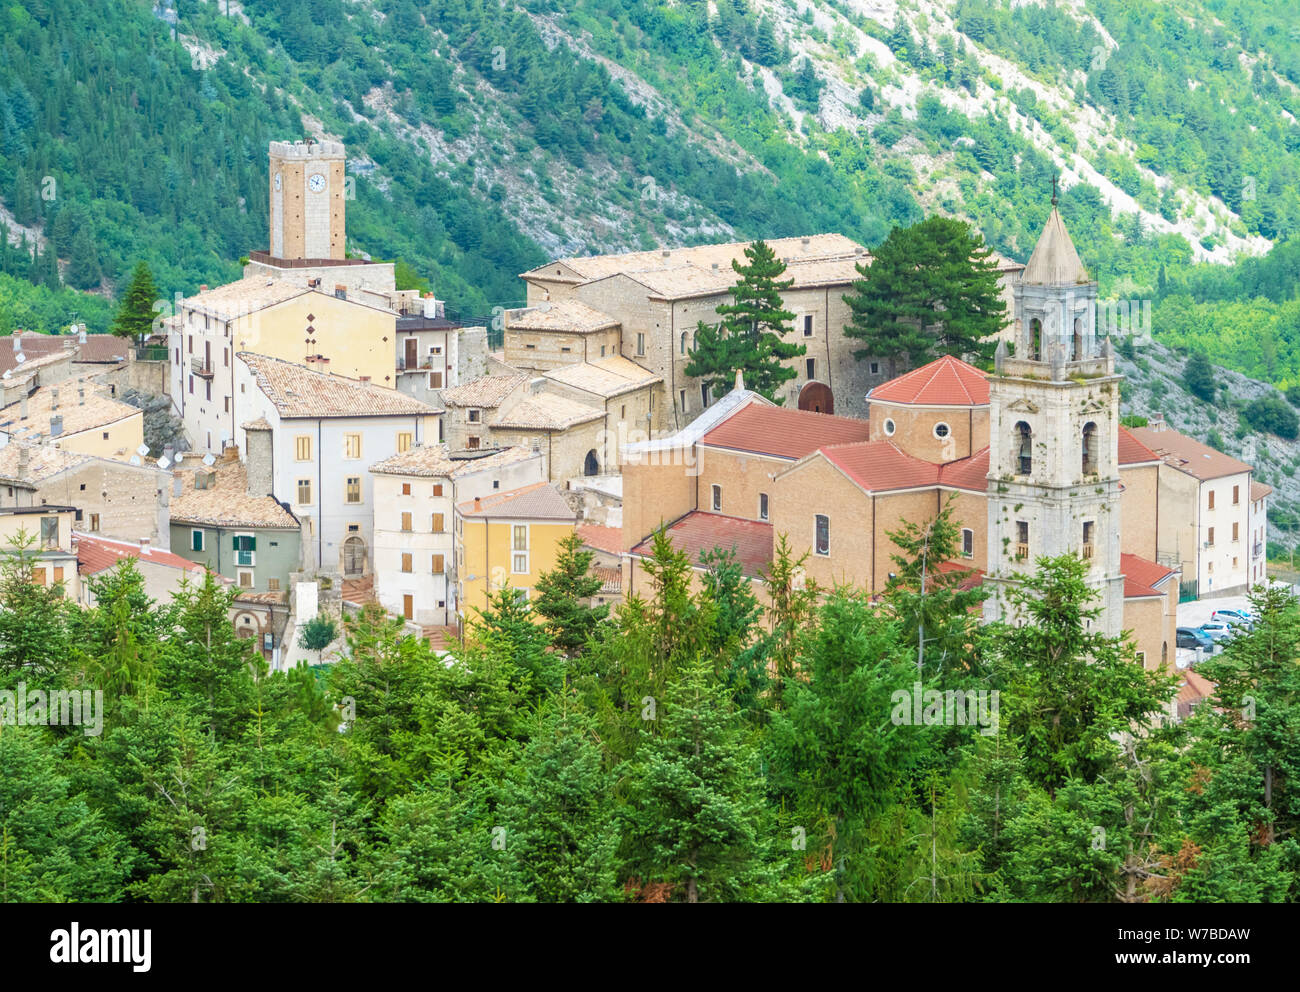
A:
{"points": [[1193, 637], [1233, 617], [1218, 631]]}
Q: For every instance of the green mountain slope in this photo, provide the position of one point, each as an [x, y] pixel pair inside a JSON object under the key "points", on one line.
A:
{"points": [[485, 137]]}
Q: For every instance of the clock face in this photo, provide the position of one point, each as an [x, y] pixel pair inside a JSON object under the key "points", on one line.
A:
{"points": [[277, 182], [316, 183]]}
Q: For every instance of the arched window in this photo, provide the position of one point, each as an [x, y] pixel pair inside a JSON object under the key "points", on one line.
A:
{"points": [[591, 464], [1089, 448], [1024, 438], [1164, 652], [1078, 338], [1036, 340], [683, 342]]}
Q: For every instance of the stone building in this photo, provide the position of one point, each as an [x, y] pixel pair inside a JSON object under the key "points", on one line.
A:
{"points": [[658, 298]]}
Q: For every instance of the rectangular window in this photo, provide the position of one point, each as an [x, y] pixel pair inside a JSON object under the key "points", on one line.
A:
{"points": [[304, 492], [406, 489], [810, 365], [438, 565], [245, 580], [404, 441], [807, 325], [1022, 539], [520, 537], [1236, 495], [435, 380], [968, 543], [50, 532], [196, 540], [640, 344], [1088, 528], [58, 573], [227, 404], [352, 489], [245, 545], [94, 522], [472, 441], [704, 395], [272, 585], [38, 576], [762, 506], [1234, 531], [406, 521], [875, 368], [1210, 541], [406, 561], [717, 498], [519, 564], [437, 489], [681, 398], [822, 534], [302, 448], [438, 524], [1211, 499], [351, 445], [473, 416]]}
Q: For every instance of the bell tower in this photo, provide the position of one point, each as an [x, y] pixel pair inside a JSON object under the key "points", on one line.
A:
{"points": [[1054, 433], [308, 197]]}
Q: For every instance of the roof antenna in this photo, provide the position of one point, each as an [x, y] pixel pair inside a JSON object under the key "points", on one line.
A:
{"points": [[1054, 178]]}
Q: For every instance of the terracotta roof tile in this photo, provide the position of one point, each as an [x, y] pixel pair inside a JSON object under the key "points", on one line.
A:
{"points": [[698, 532], [547, 412], [967, 473], [602, 538], [1259, 490], [946, 381], [1188, 455], [879, 466], [565, 315], [297, 391], [435, 461], [1141, 576], [1132, 451], [782, 433], [485, 391], [96, 554], [82, 404], [605, 377], [227, 502], [540, 501]]}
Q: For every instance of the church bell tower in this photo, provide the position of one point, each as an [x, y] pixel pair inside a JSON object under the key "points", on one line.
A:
{"points": [[308, 199], [1054, 434]]}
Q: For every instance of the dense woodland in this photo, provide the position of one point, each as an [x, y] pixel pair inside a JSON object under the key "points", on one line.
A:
{"points": [[690, 747]]}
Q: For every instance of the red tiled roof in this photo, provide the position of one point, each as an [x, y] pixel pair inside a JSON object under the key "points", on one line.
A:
{"points": [[601, 538], [1141, 576], [974, 576], [1189, 455], [1195, 688], [1132, 451], [879, 466], [946, 381], [1259, 490], [96, 348], [699, 531], [96, 554], [774, 430], [967, 473]]}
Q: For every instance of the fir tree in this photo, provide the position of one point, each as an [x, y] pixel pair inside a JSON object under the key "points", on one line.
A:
{"points": [[135, 314], [751, 336], [564, 594]]}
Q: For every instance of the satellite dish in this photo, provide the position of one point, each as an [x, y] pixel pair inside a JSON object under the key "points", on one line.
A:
{"points": [[142, 450], [135, 460], [209, 460], [178, 456], [8, 373], [164, 463], [20, 358]]}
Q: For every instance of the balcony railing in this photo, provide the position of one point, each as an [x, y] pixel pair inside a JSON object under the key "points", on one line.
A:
{"points": [[1022, 551], [201, 368], [151, 353], [1087, 552]]}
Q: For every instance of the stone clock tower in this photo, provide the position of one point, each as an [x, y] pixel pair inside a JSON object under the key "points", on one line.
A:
{"points": [[307, 199], [1054, 434]]}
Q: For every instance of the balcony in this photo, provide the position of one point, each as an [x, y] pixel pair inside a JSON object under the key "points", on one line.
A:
{"points": [[1257, 550], [1087, 552], [1022, 552], [201, 368]]}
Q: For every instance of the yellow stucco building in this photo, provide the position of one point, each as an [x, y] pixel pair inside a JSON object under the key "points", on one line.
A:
{"points": [[507, 538]]}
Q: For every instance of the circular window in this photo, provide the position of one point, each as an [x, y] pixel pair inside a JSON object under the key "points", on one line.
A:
{"points": [[941, 430], [889, 428]]}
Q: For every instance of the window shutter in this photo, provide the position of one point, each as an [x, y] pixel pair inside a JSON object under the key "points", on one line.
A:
{"points": [[234, 543], [252, 544]]}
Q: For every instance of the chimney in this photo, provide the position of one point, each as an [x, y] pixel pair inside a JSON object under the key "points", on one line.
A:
{"points": [[54, 397], [144, 545], [56, 425], [1158, 422], [24, 459], [18, 344], [804, 242], [667, 253], [203, 287], [22, 407], [178, 485], [715, 266], [740, 380], [81, 396], [81, 334], [478, 504]]}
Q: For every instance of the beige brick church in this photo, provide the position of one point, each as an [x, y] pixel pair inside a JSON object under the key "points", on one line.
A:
{"points": [[1032, 457]]}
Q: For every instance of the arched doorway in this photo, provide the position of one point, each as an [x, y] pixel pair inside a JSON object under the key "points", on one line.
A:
{"points": [[354, 556], [591, 464], [817, 397]]}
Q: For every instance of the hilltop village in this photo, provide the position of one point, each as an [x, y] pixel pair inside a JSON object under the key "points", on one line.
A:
{"points": [[342, 442]]}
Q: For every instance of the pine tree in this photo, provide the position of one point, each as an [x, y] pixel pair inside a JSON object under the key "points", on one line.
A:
{"points": [[564, 594], [1198, 376], [135, 314], [83, 263], [928, 290], [751, 336]]}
